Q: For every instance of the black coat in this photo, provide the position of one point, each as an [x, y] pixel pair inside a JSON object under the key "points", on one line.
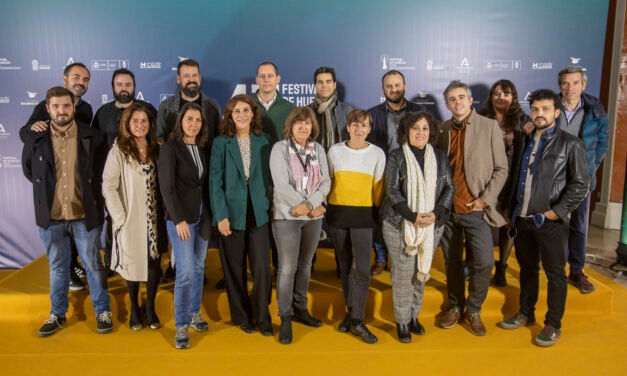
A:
{"points": [[396, 187], [182, 190], [38, 165], [379, 133]]}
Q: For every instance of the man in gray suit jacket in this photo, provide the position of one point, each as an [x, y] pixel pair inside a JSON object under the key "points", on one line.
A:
{"points": [[476, 151]]}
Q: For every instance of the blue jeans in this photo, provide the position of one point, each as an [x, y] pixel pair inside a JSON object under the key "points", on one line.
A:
{"points": [[57, 240], [189, 258]]}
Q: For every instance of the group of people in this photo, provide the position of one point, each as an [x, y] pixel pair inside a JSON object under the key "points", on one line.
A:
{"points": [[266, 173]]}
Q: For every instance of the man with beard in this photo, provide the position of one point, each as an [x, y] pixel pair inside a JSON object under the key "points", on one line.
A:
{"points": [[550, 181], [189, 79], [107, 121], [476, 152], [583, 117], [107, 118], [330, 112], [76, 79], [64, 162], [385, 119]]}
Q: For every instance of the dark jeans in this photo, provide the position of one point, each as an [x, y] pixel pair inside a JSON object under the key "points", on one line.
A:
{"points": [[578, 235], [545, 244], [353, 247], [478, 235], [252, 244]]}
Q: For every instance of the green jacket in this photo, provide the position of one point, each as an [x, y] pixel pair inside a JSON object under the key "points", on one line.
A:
{"points": [[273, 120], [228, 191]]}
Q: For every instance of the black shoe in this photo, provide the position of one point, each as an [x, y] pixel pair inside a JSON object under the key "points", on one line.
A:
{"points": [[135, 321], [402, 330], [104, 323], [416, 327], [285, 331], [221, 285], [345, 325], [248, 328], [360, 330], [304, 317], [79, 271], [76, 283], [499, 274], [110, 273], [51, 325], [265, 328]]}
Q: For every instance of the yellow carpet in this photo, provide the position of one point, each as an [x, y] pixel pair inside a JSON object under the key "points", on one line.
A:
{"points": [[594, 338]]}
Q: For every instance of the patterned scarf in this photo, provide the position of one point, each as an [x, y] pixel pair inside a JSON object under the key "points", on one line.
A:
{"points": [[307, 156]]}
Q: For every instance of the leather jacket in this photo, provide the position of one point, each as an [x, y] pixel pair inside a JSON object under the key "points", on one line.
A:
{"points": [[396, 187], [562, 179]]}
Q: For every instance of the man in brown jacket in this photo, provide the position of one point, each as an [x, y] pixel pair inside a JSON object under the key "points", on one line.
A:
{"points": [[476, 151]]}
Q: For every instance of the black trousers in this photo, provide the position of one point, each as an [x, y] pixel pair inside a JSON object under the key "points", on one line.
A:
{"points": [[252, 244], [545, 244]]}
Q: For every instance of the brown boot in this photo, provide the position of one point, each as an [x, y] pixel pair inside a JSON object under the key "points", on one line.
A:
{"points": [[451, 319], [475, 324]]}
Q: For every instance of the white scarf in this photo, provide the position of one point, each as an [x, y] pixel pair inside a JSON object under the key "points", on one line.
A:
{"points": [[420, 199]]}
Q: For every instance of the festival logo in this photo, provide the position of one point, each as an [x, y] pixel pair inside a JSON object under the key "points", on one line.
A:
{"points": [[397, 63], [6, 64]]}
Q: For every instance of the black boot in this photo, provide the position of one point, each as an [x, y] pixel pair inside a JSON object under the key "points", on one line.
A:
{"points": [[304, 317], [402, 330], [499, 274], [360, 330], [346, 322], [285, 332], [416, 327]]}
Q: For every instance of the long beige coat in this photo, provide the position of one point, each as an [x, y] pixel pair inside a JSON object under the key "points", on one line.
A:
{"points": [[485, 162], [124, 190]]}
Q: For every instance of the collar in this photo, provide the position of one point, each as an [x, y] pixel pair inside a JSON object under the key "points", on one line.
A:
{"points": [[464, 121], [268, 103], [577, 108], [403, 108], [69, 133]]}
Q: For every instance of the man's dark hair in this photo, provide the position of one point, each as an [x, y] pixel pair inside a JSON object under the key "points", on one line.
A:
{"points": [[187, 62], [67, 69], [276, 70], [321, 70], [122, 71], [58, 91], [542, 94], [390, 73]]}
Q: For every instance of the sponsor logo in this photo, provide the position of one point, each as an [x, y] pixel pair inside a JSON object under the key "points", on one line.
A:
{"points": [[425, 98], [6, 64], [181, 58], [526, 98], [430, 66], [502, 65], [541, 66], [575, 60], [464, 65], [31, 99], [108, 64], [140, 96], [37, 66], [397, 63], [301, 94], [104, 98], [5, 100], [69, 61], [150, 65], [163, 97], [3, 132], [9, 161]]}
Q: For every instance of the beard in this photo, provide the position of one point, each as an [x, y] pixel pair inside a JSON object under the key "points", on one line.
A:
{"points": [[78, 90], [191, 89], [124, 97], [396, 99], [544, 126], [62, 122]]}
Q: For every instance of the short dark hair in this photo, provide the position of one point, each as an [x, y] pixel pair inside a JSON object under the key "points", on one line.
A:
{"points": [[59, 91], [177, 132], [542, 94], [301, 114], [390, 73], [321, 70], [227, 126], [276, 70], [188, 63], [68, 68], [120, 71], [408, 121]]}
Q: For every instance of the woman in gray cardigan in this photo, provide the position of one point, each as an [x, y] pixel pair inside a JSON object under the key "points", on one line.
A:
{"points": [[300, 175]]}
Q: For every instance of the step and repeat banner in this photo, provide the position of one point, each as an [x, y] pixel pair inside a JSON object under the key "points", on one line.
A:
{"points": [[432, 43]]}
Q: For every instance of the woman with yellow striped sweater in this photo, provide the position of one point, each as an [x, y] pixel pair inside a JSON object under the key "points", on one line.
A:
{"points": [[356, 168]]}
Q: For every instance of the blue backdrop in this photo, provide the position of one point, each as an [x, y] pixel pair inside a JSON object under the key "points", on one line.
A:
{"points": [[431, 42]]}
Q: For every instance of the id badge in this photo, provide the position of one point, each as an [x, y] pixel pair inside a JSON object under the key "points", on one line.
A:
{"points": [[305, 180]]}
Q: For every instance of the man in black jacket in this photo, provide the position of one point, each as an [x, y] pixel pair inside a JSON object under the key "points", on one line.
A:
{"points": [[551, 179], [385, 119], [65, 162]]}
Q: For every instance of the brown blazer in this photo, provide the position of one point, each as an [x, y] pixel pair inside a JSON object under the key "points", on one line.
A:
{"points": [[485, 162]]}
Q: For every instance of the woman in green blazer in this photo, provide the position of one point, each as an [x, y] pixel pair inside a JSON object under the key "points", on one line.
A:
{"points": [[239, 184]]}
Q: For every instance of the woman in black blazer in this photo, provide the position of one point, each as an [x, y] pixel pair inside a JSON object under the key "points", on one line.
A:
{"points": [[183, 171]]}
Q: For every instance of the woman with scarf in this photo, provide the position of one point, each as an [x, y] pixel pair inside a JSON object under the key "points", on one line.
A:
{"points": [[300, 174], [418, 199], [129, 187]]}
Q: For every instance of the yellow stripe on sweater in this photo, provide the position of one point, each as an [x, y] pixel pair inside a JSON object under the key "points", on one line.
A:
{"points": [[352, 188]]}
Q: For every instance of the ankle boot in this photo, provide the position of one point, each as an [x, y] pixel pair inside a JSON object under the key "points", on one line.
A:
{"points": [[360, 330], [499, 274], [404, 335], [303, 316], [285, 331]]}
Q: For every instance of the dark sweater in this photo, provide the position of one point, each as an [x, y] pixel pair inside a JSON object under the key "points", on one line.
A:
{"points": [[108, 117]]}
